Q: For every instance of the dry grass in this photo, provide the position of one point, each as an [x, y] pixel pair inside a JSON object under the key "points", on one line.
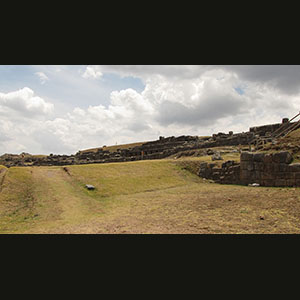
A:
{"points": [[140, 197], [114, 148]]}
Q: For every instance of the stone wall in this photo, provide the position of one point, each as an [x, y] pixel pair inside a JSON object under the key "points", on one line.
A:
{"points": [[227, 173], [161, 148], [265, 129], [275, 169]]}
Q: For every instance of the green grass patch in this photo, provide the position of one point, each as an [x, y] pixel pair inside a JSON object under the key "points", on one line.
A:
{"points": [[127, 178], [16, 198]]}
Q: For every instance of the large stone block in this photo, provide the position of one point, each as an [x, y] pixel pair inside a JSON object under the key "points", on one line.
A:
{"points": [[250, 166], [276, 167], [258, 166], [282, 157], [236, 169], [257, 175], [280, 175], [280, 182], [290, 175], [294, 167], [258, 157], [283, 167], [267, 176], [245, 175], [290, 182], [244, 165], [268, 182], [268, 158], [246, 156]]}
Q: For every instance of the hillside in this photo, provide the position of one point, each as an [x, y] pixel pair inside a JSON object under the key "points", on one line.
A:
{"points": [[114, 148], [158, 196], [290, 143]]}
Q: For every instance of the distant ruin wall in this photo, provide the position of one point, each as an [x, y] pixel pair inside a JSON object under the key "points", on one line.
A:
{"points": [[265, 129], [161, 148], [273, 169]]}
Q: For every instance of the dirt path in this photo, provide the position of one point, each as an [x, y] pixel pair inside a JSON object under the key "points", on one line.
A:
{"points": [[59, 201], [2, 177]]}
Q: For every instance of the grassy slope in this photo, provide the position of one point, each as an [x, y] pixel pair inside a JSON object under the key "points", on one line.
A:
{"points": [[114, 148], [139, 197]]}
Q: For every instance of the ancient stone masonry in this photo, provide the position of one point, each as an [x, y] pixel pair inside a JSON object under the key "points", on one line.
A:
{"points": [[151, 150], [161, 148], [222, 139], [274, 169], [228, 172], [267, 130]]}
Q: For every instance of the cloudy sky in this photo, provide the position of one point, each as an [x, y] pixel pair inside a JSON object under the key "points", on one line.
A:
{"points": [[62, 109]]}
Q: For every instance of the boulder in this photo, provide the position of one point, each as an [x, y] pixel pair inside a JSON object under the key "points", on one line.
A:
{"points": [[216, 156], [89, 187]]}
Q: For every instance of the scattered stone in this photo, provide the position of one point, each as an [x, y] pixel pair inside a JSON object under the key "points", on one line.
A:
{"points": [[210, 152], [89, 187], [253, 184], [216, 156]]}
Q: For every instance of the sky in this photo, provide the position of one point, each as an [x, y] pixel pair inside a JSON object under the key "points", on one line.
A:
{"points": [[61, 109]]}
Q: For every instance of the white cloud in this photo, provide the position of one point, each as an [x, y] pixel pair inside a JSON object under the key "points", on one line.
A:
{"points": [[42, 76], [176, 100], [92, 72], [25, 102]]}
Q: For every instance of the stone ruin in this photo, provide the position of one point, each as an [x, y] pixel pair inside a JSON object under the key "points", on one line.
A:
{"points": [[161, 148], [246, 172], [273, 169]]}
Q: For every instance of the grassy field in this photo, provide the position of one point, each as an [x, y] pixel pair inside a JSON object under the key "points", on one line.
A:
{"points": [[154, 196]]}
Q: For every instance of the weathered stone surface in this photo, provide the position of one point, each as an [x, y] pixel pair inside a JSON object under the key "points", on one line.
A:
{"points": [[244, 165], [250, 167], [258, 157], [267, 159], [258, 166], [290, 182], [266, 175], [246, 156], [294, 167], [280, 182], [282, 157]]}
